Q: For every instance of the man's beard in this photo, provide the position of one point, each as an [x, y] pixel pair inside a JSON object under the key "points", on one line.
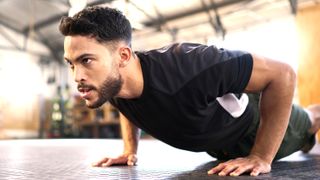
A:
{"points": [[109, 89]]}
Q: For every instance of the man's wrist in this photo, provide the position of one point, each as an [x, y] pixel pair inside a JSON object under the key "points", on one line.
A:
{"points": [[129, 152], [265, 158]]}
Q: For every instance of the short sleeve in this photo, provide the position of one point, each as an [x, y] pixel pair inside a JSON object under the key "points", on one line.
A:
{"points": [[229, 72]]}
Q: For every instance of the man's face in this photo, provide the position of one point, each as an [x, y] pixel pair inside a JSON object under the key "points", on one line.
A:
{"points": [[95, 69]]}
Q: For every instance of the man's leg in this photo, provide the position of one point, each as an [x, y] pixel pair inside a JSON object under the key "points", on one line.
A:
{"points": [[314, 116], [299, 134]]}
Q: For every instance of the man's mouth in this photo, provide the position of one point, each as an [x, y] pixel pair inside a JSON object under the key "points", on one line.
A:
{"points": [[85, 91]]}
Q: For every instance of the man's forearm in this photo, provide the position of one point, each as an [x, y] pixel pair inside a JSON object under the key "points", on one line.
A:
{"points": [[276, 81], [130, 135], [275, 109]]}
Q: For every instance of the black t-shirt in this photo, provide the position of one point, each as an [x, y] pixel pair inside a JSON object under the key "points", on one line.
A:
{"points": [[178, 105]]}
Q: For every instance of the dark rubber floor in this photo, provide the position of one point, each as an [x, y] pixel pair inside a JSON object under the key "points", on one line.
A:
{"points": [[71, 159]]}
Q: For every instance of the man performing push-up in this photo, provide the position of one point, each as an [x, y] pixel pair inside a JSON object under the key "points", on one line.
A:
{"points": [[234, 105]]}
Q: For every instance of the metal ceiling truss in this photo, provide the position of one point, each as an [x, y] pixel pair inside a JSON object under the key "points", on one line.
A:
{"points": [[193, 11], [160, 26], [173, 32], [141, 10], [55, 51], [4, 20], [294, 6], [214, 22], [155, 22], [20, 50], [56, 18], [26, 31], [10, 39]]}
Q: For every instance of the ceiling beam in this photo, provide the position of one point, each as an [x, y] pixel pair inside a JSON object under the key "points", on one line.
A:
{"points": [[56, 18], [215, 23], [166, 19], [141, 10], [4, 20], [55, 51], [21, 50], [294, 6], [9, 38]]}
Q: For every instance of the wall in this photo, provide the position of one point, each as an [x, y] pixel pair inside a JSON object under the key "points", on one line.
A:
{"points": [[309, 55], [21, 87]]}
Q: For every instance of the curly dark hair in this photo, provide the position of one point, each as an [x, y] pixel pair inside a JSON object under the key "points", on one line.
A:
{"points": [[102, 23]]}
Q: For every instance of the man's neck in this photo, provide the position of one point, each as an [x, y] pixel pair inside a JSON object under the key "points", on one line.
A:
{"points": [[132, 80]]}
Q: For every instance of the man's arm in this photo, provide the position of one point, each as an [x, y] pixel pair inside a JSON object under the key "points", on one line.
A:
{"points": [[130, 135], [276, 82]]}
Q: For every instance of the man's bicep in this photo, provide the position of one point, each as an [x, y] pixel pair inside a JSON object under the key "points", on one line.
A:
{"points": [[263, 72]]}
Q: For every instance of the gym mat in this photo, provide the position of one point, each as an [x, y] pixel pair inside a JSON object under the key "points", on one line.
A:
{"points": [[72, 158]]}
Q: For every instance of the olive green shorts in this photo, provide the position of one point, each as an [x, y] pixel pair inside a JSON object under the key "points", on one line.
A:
{"points": [[295, 138]]}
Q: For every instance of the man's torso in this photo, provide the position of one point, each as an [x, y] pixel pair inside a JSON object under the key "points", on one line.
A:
{"points": [[178, 104]]}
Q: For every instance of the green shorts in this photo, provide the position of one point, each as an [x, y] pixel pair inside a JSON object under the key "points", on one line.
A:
{"points": [[295, 138]]}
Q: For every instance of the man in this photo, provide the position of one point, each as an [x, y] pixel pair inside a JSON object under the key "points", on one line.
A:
{"points": [[190, 96]]}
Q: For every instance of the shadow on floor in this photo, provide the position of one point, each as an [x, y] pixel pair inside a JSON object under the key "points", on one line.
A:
{"points": [[307, 166]]}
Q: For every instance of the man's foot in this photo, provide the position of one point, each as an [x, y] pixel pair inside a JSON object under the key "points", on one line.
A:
{"points": [[309, 145], [314, 113]]}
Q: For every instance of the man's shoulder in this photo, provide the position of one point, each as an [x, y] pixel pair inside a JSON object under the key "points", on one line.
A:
{"points": [[172, 66], [190, 54], [177, 48], [182, 56]]}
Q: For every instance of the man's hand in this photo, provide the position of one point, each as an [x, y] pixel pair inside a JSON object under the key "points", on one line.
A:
{"points": [[252, 164], [125, 159]]}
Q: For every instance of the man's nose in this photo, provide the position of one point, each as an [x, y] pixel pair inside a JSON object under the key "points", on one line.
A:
{"points": [[78, 75]]}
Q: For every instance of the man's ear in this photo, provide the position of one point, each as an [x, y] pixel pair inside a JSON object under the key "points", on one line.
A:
{"points": [[125, 56]]}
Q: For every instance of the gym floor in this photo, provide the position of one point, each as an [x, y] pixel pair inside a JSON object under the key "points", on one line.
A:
{"points": [[71, 159]]}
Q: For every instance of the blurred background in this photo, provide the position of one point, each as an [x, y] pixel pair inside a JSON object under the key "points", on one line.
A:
{"points": [[38, 98]]}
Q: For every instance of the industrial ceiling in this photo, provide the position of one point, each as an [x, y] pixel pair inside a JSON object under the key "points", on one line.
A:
{"points": [[155, 22]]}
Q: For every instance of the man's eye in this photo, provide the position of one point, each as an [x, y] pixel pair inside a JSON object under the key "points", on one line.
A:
{"points": [[69, 63], [86, 61]]}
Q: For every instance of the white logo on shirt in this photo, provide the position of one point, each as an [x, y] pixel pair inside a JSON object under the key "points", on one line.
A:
{"points": [[234, 106]]}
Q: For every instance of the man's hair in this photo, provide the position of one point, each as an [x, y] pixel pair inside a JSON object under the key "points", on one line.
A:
{"points": [[102, 23]]}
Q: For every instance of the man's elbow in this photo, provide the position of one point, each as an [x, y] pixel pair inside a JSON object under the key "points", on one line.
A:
{"points": [[287, 75]]}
